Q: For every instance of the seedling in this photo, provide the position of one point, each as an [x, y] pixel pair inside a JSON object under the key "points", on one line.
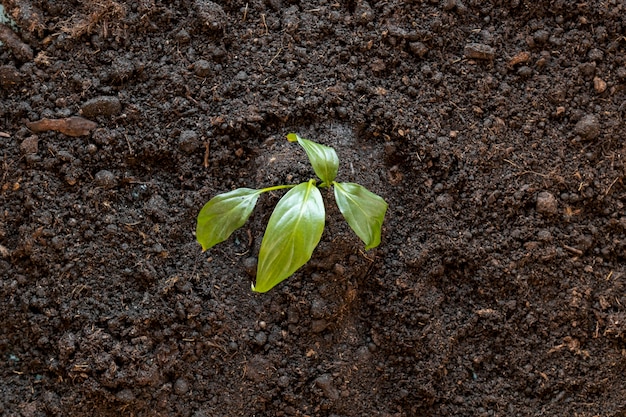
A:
{"points": [[296, 225]]}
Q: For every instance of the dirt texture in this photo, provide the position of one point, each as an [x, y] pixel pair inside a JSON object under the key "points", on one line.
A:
{"points": [[495, 131]]}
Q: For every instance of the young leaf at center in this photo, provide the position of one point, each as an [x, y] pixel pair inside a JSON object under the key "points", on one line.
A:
{"points": [[293, 232], [224, 214], [323, 158], [363, 210]]}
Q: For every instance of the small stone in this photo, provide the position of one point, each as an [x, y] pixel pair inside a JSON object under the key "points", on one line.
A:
{"points": [[418, 48], [122, 70], [183, 36], [541, 36], [283, 381], [249, 265], [378, 65], [363, 13], [101, 106], [587, 69], [260, 338], [449, 5], [445, 200], [363, 354], [318, 326], [125, 396], [156, 207], [547, 203], [30, 145], [188, 141], [596, 55], [325, 383], [544, 235], [479, 51], [318, 309], [524, 71], [599, 85], [588, 127], [9, 76], [105, 179], [211, 14], [202, 68], [181, 386]]}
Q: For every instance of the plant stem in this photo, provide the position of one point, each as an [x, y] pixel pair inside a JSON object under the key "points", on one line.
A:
{"points": [[276, 187]]}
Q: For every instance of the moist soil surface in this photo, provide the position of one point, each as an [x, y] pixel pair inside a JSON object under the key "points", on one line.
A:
{"points": [[494, 130]]}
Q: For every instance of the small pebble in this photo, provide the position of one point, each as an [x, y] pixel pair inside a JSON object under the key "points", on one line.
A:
{"points": [[418, 48], [588, 127], [211, 14], [587, 69], [524, 71], [318, 309], [325, 383], [202, 68], [249, 265], [283, 381], [479, 51], [181, 386], [363, 13], [318, 326], [30, 145], [449, 5], [595, 55], [188, 141], [9, 76], [125, 396], [599, 85], [105, 179], [101, 106], [547, 203], [541, 36], [260, 338]]}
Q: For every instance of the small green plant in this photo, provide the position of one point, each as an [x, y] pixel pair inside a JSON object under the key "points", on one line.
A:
{"points": [[296, 225]]}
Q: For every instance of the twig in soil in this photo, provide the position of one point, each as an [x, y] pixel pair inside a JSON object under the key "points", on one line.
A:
{"points": [[245, 13], [612, 184], [365, 256], [70, 126], [130, 149], [206, 155], [573, 250], [275, 56], [519, 174]]}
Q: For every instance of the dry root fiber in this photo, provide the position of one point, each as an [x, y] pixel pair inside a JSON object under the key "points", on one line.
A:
{"points": [[28, 17], [104, 14]]}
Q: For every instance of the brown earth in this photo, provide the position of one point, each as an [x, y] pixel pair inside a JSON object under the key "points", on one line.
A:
{"points": [[495, 130]]}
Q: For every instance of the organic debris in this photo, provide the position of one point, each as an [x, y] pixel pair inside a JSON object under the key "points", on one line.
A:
{"points": [[70, 126]]}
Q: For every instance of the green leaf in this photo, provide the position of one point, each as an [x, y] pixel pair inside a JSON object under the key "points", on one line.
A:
{"points": [[224, 214], [293, 232], [323, 158], [363, 210]]}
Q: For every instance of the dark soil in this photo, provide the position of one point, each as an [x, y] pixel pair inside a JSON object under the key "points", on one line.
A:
{"points": [[495, 131]]}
